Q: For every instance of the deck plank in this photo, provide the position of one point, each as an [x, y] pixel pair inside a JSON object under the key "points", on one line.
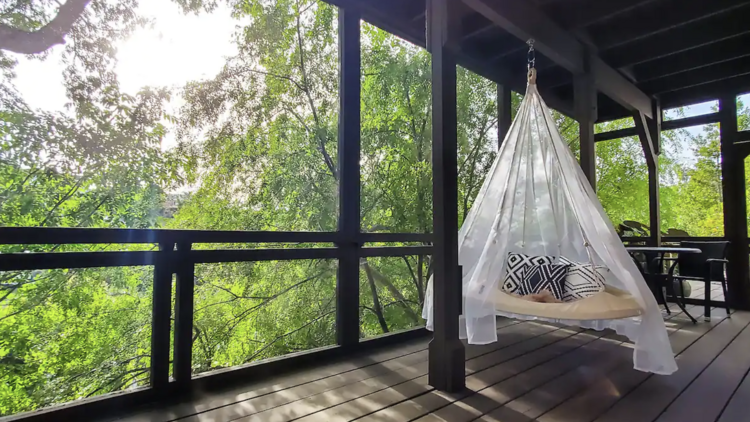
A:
{"points": [[212, 400], [537, 390], [553, 342], [707, 395], [736, 409], [540, 400], [532, 406], [287, 402], [489, 392], [563, 358], [649, 399], [534, 373], [586, 405], [256, 389]]}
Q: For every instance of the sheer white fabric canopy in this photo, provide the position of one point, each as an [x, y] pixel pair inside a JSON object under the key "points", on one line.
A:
{"points": [[537, 201]]}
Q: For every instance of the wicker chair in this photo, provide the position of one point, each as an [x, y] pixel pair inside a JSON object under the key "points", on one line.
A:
{"points": [[708, 266]]}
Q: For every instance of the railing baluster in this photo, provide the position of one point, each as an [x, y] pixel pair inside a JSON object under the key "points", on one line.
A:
{"points": [[160, 317], [183, 333]]}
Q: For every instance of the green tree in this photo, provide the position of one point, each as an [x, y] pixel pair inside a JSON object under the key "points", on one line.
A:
{"points": [[69, 334]]}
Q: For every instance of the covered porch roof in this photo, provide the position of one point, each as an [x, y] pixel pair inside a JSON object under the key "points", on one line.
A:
{"points": [[682, 52]]}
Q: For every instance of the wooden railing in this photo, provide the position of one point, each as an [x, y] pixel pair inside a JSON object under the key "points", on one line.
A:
{"points": [[671, 239], [176, 257]]}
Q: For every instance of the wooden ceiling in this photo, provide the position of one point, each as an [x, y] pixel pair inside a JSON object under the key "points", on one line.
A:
{"points": [[681, 51]]}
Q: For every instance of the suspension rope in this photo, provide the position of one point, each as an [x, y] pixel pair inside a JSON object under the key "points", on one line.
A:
{"points": [[531, 62]]}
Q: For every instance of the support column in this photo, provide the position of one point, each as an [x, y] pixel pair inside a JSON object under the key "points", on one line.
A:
{"points": [[504, 110], [347, 281], [183, 333], [161, 311], [446, 358], [585, 108], [735, 205], [649, 133], [654, 199]]}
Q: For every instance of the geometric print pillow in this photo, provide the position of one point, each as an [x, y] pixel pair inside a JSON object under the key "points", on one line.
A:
{"points": [[583, 280], [549, 277], [515, 267]]}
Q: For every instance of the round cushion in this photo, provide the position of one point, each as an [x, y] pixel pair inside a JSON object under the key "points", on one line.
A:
{"points": [[612, 303]]}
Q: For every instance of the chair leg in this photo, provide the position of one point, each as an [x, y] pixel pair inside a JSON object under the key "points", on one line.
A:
{"points": [[670, 286], [664, 300], [726, 297], [707, 300]]}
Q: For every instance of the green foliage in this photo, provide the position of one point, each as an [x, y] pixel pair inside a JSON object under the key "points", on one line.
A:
{"points": [[251, 311], [71, 334], [256, 150]]}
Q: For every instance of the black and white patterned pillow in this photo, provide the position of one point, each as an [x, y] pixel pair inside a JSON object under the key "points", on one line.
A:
{"points": [[583, 280], [515, 266], [544, 277]]}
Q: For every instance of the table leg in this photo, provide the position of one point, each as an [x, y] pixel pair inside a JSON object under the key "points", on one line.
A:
{"points": [[678, 300]]}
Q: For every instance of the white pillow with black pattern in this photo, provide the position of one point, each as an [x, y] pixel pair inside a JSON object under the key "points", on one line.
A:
{"points": [[549, 277], [583, 280], [515, 267]]}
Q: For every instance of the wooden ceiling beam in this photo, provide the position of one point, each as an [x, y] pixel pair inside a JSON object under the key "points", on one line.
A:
{"points": [[723, 51], [524, 21], [657, 17], [706, 92], [700, 76], [697, 34], [381, 15], [583, 13]]}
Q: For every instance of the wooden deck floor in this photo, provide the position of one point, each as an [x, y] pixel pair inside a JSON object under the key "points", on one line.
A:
{"points": [[535, 372]]}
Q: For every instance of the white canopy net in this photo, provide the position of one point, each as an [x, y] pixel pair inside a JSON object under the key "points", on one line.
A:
{"points": [[537, 201]]}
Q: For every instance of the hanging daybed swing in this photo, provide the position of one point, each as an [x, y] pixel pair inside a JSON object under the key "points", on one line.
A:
{"points": [[537, 245]]}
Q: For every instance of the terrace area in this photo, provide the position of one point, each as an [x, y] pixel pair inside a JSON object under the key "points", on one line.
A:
{"points": [[333, 332], [535, 372]]}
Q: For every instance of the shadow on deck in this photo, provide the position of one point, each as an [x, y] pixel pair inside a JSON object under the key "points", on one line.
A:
{"points": [[535, 372]]}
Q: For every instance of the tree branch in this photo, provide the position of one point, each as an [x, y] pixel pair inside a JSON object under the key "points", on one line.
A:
{"points": [[51, 34], [420, 290], [378, 310], [413, 276], [418, 139], [256, 354], [65, 197], [306, 82], [244, 313], [383, 280]]}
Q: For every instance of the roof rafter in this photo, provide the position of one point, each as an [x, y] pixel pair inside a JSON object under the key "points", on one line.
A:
{"points": [[696, 34], [381, 15], [657, 17], [525, 21]]}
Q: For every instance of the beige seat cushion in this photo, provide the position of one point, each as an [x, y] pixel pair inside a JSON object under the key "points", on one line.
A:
{"points": [[612, 303]]}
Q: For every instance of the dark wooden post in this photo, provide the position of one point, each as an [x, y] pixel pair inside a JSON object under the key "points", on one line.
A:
{"points": [[161, 312], [585, 109], [649, 133], [735, 206], [347, 283], [654, 206], [504, 110], [183, 331], [654, 199], [446, 361]]}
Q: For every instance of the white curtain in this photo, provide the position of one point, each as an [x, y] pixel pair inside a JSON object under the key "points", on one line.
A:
{"points": [[537, 201]]}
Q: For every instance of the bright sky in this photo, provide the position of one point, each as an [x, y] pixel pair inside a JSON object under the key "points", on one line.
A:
{"points": [[177, 49]]}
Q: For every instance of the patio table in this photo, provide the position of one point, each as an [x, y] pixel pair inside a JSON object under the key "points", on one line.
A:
{"points": [[657, 280]]}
